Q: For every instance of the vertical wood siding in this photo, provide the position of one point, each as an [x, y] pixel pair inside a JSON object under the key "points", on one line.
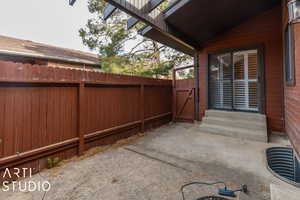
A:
{"points": [[265, 30], [292, 98]]}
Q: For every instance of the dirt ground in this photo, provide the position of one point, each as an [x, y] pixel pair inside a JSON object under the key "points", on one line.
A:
{"points": [[155, 166]]}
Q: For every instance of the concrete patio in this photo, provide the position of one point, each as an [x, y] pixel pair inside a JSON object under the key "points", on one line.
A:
{"points": [[155, 167]]}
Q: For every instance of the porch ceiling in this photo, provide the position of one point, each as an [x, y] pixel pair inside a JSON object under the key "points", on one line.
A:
{"points": [[201, 20]]}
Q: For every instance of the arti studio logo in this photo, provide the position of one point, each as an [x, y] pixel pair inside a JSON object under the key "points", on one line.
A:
{"points": [[22, 186]]}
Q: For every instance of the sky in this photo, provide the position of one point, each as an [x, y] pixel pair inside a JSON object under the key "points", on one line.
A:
{"points": [[52, 22]]}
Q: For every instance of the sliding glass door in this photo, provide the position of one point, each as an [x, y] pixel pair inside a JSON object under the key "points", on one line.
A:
{"points": [[233, 80], [221, 81], [245, 80]]}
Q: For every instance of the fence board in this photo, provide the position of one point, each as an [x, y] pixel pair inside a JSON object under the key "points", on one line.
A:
{"points": [[157, 100], [111, 106], [184, 98], [45, 113]]}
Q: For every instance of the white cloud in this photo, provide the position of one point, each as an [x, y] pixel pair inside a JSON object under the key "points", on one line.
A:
{"points": [[51, 22]]}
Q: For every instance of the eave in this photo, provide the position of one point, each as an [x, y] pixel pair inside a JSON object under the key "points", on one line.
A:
{"points": [[158, 23], [188, 24]]}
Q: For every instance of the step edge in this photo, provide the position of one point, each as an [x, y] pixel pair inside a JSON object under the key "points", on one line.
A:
{"points": [[250, 114], [258, 124], [260, 138], [229, 128]]}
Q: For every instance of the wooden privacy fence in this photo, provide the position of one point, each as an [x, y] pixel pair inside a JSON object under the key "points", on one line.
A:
{"points": [[183, 97], [184, 100], [47, 111]]}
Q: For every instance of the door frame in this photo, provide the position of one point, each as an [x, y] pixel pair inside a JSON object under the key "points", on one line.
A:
{"points": [[261, 74]]}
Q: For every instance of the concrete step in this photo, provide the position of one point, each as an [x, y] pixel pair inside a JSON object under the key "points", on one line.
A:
{"points": [[282, 191], [255, 135], [237, 123], [254, 117]]}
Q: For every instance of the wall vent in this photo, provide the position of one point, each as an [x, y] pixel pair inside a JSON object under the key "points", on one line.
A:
{"points": [[283, 163]]}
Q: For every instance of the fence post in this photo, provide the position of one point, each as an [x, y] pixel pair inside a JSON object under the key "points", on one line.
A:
{"points": [[174, 95], [142, 107], [197, 87], [81, 120]]}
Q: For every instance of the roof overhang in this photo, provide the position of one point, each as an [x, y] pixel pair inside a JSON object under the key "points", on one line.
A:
{"points": [[202, 20], [158, 23], [187, 25], [46, 57]]}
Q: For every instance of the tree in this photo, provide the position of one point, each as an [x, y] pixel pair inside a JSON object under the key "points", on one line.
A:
{"points": [[107, 37], [146, 58]]}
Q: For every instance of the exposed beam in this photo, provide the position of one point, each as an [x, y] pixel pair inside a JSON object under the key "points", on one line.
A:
{"points": [[138, 13], [175, 6], [131, 22], [157, 23], [154, 4], [151, 5], [166, 39], [174, 35], [71, 2], [108, 11]]}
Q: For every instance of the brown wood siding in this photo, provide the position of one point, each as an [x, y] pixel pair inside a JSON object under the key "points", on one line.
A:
{"points": [[292, 93], [264, 30], [203, 93], [292, 98]]}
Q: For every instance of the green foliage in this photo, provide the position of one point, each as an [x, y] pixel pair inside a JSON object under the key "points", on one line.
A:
{"points": [[184, 74], [106, 37], [114, 64], [52, 162], [146, 58]]}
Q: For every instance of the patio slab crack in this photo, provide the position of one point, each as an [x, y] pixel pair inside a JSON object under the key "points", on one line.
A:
{"points": [[156, 159]]}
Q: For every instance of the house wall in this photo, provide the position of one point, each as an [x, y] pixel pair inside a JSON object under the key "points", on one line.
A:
{"points": [[36, 61], [292, 93], [292, 98], [265, 30], [71, 66], [20, 59]]}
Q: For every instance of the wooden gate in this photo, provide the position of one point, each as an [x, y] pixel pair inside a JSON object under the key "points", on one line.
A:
{"points": [[183, 98]]}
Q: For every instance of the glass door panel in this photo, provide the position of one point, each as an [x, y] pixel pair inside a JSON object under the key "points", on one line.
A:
{"points": [[245, 67], [233, 81], [220, 81]]}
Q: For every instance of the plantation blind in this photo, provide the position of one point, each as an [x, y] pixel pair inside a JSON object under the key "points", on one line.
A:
{"points": [[245, 67], [233, 82], [220, 81]]}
